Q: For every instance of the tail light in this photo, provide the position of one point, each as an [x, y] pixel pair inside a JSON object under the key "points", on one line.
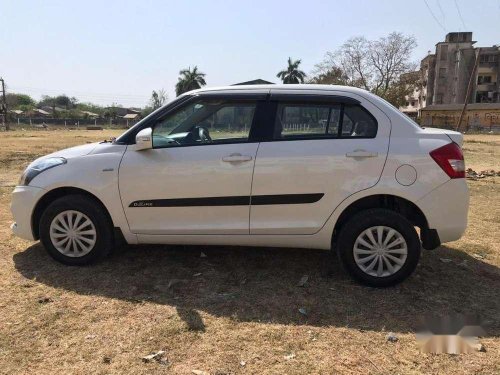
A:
{"points": [[451, 160]]}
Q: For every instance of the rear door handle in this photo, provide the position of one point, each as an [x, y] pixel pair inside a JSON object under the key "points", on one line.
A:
{"points": [[361, 154], [235, 158]]}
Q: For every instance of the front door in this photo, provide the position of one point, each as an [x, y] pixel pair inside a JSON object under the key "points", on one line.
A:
{"points": [[321, 152], [197, 178]]}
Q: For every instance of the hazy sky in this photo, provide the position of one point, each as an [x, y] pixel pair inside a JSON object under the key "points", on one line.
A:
{"points": [[119, 51]]}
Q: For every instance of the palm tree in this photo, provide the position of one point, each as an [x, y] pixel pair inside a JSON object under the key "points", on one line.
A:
{"points": [[189, 80], [292, 74]]}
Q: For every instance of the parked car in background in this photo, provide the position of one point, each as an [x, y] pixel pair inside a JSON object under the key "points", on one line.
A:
{"points": [[310, 166]]}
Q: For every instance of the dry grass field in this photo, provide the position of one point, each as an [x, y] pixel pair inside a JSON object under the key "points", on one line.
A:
{"points": [[236, 311]]}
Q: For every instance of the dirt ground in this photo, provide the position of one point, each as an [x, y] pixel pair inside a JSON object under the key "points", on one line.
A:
{"points": [[237, 309]]}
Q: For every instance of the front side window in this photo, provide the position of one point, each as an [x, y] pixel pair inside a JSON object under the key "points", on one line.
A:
{"points": [[309, 121], [205, 122]]}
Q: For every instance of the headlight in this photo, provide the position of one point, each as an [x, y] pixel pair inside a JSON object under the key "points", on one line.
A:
{"points": [[37, 167]]}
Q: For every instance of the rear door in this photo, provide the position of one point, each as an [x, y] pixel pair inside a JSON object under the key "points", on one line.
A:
{"points": [[323, 149]]}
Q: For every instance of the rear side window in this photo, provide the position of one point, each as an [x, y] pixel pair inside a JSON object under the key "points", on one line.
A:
{"points": [[358, 122], [311, 121]]}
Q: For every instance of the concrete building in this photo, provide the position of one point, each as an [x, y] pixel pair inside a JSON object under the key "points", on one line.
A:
{"points": [[445, 75], [413, 101]]}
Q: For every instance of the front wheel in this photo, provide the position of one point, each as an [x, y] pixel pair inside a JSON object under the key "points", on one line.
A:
{"points": [[75, 231], [379, 247]]}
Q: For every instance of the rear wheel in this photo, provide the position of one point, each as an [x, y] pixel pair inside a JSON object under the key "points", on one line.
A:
{"points": [[74, 230], [379, 247]]}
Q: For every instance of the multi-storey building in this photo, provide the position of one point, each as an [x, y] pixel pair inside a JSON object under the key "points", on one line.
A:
{"points": [[446, 74]]}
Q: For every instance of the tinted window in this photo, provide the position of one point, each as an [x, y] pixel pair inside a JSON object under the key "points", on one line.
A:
{"points": [[302, 121], [307, 120], [357, 122], [205, 121]]}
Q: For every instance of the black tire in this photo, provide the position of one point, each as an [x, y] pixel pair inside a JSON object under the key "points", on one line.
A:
{"points": [[95, 212], [371, 218]]}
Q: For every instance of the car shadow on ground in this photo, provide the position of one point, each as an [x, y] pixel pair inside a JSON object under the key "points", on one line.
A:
{"points": [[261, 285]]}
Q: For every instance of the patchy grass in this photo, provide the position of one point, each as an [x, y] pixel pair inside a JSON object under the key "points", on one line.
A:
{"points": [[482, 151], [244, 305], [19, 148]]}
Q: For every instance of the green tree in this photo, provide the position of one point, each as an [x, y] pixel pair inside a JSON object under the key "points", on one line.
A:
{"points": [[400, 90], [16, 100], [62, 101], [189, 80], [292, 74], [332, 76]]}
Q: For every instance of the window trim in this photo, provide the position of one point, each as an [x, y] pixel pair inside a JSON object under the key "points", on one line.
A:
{"points": [[264, 121], [254, 98]]}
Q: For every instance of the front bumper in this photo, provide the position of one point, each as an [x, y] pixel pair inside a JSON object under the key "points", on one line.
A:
{"points": [[24, 200]]}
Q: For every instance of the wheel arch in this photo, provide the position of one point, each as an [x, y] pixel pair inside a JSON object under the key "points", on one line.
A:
{"points": [[57, 193], [391, 202]]}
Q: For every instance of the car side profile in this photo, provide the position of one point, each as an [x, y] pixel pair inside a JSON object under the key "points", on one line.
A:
{"points": [[309, 166]]}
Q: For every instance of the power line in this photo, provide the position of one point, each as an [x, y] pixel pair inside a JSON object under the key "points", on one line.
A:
{"points": [[460, 14], [442, 13], [433, 16]]}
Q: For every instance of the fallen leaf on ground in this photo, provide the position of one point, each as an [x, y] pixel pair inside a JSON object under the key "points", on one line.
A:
{"points": [[391, 337], [480, 348], [158, 357], [445, 260], [303, 281]]}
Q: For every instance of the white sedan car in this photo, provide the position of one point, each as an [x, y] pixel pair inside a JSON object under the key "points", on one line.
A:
{"points": [[309, 166]]}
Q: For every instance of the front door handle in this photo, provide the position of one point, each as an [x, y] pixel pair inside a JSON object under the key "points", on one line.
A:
{"points": [[235, 158], [361, 154]]}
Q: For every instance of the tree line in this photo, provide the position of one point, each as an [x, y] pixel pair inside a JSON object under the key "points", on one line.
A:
{"points": [[378, 66]]}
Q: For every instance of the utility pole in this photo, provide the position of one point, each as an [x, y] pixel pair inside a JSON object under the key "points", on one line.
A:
{"points": [[3, 106], [469, 89]]}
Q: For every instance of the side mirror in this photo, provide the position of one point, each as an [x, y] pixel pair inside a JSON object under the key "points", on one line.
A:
{"points": [[144, 139]]}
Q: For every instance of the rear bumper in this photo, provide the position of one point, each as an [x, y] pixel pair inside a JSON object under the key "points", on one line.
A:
{"points": [[446, 209], [24, 199]]}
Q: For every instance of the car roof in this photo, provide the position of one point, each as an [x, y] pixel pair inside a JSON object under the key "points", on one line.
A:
{"points": [[291, 88]]}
